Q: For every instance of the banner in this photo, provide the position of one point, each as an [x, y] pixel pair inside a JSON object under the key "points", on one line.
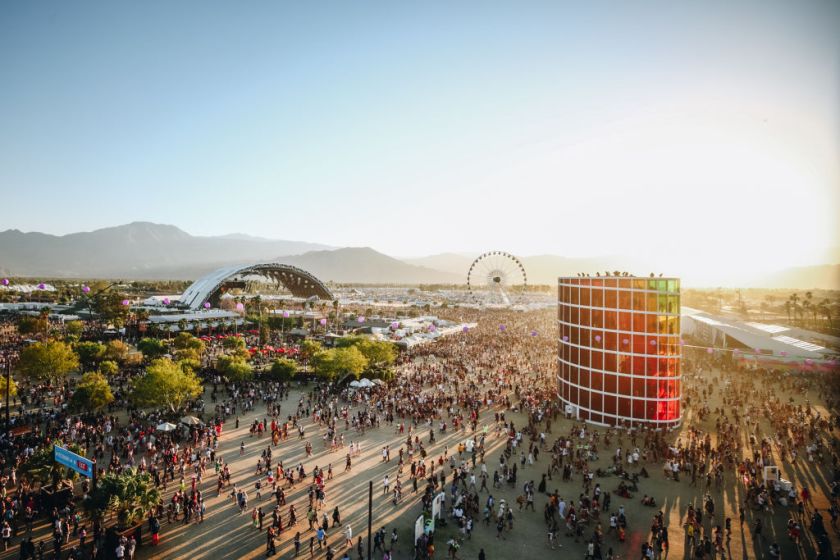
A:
{"points": [[418, 529], [73, 461], [437, 505]]}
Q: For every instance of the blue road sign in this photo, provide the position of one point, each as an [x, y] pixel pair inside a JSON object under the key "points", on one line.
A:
{"points": [[73, 461]]}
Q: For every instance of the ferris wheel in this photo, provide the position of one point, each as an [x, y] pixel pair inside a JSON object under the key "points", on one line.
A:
{"points": [[496, 277]]}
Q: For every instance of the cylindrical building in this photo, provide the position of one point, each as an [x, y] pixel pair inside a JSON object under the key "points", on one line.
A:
{"points": [[619, 349]]}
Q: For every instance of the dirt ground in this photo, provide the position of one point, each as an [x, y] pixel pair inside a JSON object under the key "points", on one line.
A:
{"points": [[226, 533]]}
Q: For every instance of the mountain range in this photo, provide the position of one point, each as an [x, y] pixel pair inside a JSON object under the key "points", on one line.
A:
{"points": [[144, 250]]}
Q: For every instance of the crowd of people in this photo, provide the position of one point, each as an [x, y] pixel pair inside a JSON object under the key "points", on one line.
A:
{"points": [[469, 431]]}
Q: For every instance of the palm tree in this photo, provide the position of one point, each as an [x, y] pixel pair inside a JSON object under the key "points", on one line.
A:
{"points": [[824, 307], [128, 496], [806, 307], [794, 304], [809, 304]]}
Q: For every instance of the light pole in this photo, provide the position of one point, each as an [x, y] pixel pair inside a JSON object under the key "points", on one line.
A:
{"points": [[370, 517]]}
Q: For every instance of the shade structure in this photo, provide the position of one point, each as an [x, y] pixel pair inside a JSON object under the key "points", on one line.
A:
{"points": [[165, 427], [191, 421]]}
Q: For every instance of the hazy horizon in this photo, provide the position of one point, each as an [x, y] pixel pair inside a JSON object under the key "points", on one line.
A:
{"points": [[702, 136]]}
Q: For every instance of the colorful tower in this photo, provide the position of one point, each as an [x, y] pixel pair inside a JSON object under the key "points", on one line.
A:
{"points": [[619, 349]]}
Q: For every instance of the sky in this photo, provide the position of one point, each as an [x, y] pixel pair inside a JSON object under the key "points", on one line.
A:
{"points": [[702, 134]]}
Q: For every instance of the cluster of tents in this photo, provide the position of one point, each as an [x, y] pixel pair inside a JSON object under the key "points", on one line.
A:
{"points": [[366, 383], [186, 420]]}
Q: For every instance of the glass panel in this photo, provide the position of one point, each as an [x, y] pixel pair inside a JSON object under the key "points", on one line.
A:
{"points": [[597, 360], [609, 404], [639, 387], [651, 302], [639, 284], [583, 377], [662, 285], [639, 301], [596, 401], [610, 298], [610, 361], [597, 318], [622, 363], [662, 306], [609, 383], [639, 322], [584, 358], [624, 299], [610, 282], [583, 398], [673, 304], [597, 298], [672, 286], [650, 410], [639, 346], [638, 409], [625, 385], [575, 296], [611, 319], [624, 407], [625, 321], [596, 381], [610, 340]]}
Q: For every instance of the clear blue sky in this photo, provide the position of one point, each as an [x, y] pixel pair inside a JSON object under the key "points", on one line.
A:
{"points": [[423, 127]]}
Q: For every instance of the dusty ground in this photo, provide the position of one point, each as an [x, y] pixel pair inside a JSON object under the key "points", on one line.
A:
{"points": [[227, 534]]}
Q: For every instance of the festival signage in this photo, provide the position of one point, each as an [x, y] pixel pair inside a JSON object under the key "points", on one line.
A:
{"points": [[418, 529], [73, 461]]}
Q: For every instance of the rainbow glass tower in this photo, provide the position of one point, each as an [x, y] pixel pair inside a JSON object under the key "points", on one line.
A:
{"points": [[619, 349]]}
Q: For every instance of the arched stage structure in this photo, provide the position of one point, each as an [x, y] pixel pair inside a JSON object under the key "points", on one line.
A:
{"points": [[210, 287]]}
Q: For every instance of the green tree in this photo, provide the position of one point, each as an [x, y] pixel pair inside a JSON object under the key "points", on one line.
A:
{"points": [[33, 325], [129, 496], [233, 343], [110, 309], [348, 341], [117, 350], [12, 385], [152, 348], [379, 353], [234, 368], [337, 362], [235, 346], [92, 393], [108, 368], [90, 354], [74, 328], [165, 383], [189, 365], [51, 360], [283, 369], [185, 340], [308, 348]]}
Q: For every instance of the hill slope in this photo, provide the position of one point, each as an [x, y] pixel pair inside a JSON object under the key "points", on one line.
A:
{"points": [[130, 251]]}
